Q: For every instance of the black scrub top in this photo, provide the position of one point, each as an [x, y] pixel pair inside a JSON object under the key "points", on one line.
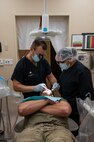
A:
{"points": [[76, 82], [28, 74]]}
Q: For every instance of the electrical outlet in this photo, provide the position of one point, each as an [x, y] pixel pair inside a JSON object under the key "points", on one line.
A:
{"points": [[8, 61], [1, 62]]}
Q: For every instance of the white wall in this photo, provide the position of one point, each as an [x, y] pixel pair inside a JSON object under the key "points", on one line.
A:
{"points": [[80, 20]]}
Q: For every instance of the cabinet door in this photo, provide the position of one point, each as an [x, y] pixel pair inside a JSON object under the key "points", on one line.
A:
{"points": [[48, 52], [22, 53]]}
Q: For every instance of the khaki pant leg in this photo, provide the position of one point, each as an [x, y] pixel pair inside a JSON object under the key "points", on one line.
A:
{"points": [[59, 134], [30, 134]]}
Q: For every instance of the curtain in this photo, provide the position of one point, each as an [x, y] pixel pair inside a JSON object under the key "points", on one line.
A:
{"points": [[26, 24]]}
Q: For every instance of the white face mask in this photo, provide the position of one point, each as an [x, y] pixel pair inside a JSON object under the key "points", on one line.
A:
{"points": [[36, 58], [64, 66]]}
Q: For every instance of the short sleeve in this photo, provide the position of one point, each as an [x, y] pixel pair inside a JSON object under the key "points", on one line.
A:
{"points": [[18, 73]]}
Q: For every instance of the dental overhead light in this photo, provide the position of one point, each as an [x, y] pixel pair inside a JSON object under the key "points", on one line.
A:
{"points": [[44, 30]]}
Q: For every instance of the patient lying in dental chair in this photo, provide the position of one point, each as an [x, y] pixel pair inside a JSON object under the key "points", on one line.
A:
{"points": [[45, 119]]}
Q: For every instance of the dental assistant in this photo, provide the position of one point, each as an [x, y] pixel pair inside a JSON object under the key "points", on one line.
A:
{"points": [[75, 80]]}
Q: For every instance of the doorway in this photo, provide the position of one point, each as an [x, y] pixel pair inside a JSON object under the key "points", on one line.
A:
{"points": [[51, 59]]}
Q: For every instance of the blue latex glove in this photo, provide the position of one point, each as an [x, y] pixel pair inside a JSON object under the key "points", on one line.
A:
{"points": [[55, 86], [40, 87]]}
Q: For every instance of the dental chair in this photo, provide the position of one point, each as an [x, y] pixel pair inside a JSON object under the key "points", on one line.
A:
{"points": [[9, 129]]}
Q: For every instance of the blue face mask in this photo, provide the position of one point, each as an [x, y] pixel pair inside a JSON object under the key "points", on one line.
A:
{"points": [[36, 58], [64, 66]]}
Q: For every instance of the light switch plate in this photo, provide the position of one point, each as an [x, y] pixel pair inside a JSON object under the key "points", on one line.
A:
{"points": [[8, 61]]}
